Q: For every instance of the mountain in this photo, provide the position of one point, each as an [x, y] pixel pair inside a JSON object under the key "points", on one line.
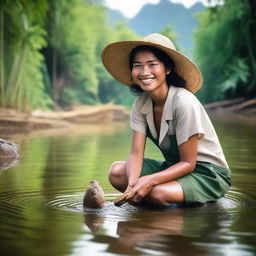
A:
{"points": [[114, 16], [154, 17]]}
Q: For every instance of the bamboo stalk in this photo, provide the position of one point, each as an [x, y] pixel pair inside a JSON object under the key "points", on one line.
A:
{"points": [[11, 78], [2, 89], [17, 89]]}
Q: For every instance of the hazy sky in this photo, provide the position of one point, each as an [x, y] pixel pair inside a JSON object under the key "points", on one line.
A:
{"points": [[129, 8]]}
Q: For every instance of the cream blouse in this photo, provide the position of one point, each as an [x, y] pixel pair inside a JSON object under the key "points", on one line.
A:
{"points": [[183, 116]]}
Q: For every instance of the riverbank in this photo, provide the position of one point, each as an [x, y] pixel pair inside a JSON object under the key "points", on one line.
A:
{"points": [[13, 121], [235, 110]]}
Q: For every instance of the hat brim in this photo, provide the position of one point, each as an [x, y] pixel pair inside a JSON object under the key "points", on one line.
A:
{"points": [[115, 58]]}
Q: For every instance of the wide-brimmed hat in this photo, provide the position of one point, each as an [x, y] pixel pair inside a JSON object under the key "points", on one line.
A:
{"points": [[115, 58]]}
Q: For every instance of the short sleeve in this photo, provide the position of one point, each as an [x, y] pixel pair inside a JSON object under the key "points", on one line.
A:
{"points": [[189, 117], [137, 119]]}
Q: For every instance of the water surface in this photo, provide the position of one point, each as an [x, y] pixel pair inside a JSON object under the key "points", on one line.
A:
{"points": [[41, 199]]}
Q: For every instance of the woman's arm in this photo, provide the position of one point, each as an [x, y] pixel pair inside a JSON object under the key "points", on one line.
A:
{"points": [[187, 163], [135, 159], [188, 154]]}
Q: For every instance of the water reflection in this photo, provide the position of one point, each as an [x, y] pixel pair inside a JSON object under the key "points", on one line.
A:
{"points": [[41, 200], [173, 230]]}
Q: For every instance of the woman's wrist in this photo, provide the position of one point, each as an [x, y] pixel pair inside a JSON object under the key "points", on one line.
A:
{"points": [[154, 180]]}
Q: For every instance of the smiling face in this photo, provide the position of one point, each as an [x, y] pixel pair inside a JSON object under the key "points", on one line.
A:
{"points": [[148, 72]]}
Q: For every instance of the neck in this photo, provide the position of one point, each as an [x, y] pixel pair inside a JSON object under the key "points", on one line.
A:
{"points": [[159, 96]]}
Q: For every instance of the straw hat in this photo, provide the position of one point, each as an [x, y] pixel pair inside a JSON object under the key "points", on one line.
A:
{"points": [[115, 58]]}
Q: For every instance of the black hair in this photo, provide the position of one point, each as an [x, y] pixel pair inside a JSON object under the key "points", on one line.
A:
{"points": [[172, 78]]}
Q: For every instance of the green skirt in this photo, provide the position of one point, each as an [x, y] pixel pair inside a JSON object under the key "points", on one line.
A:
{"points": [[207, 182]]}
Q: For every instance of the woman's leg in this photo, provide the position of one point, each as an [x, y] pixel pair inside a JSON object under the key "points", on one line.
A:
{"points": [[117, 175], [161, 195], [165, 194]]}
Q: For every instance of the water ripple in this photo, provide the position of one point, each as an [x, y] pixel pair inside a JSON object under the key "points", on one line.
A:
{"points": [[12, 203], [73, 203], [238, 201]]}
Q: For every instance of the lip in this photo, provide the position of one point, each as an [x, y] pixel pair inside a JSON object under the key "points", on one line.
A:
{"points": [[147, 80]]}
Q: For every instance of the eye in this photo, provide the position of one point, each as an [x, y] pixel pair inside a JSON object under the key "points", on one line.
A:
{"points": [[136, 65], [153, 63]]}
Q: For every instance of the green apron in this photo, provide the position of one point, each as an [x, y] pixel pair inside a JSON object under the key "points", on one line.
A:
{"points": [[207, 182]]}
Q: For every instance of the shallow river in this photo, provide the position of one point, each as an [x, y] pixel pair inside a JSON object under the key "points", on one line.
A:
{"points": [[41, 199]]}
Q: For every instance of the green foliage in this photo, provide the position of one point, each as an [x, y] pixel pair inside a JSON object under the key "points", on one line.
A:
{"points": [[168, 32], [224, 51], [75, 42], [109, 89], [50, 54], [33, 93], [240, 73], [20, 42], [71, 47]]}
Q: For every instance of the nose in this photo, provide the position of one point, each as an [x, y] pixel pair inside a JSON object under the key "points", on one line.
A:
{"points": [[145, 70]]}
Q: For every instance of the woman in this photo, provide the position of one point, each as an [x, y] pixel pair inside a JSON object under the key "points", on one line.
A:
{"points": [[194, 168]]}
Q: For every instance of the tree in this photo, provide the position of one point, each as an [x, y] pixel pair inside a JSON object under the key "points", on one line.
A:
{"points": [[22, 36], [70, 55], [109, 89], [50, 54], [168, 32], [225, 50]]}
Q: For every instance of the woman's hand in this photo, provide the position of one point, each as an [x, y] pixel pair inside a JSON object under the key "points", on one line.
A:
{"points": [[130, 186], [140, 189]]}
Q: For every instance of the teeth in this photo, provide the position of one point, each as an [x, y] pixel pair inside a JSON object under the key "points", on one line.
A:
{"points": [[147, 80]]}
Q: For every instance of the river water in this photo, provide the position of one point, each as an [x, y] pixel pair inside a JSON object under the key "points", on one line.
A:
{"points": [[41, 199]]}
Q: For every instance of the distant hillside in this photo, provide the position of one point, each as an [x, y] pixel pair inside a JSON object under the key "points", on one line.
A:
{"points": [[114, 17], [153, 18]]}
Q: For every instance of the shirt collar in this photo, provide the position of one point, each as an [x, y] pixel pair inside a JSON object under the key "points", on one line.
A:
{"points": [[147, 109], [168, 106]]}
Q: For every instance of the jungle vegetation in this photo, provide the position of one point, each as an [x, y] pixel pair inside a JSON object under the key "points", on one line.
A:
{"points": [[50, 53], [225, 49]]}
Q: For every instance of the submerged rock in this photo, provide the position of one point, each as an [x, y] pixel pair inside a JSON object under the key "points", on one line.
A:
{"points": [[94, 196], [8, 149]]}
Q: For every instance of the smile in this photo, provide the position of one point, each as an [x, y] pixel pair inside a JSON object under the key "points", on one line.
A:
{"points": [[146, 80]]}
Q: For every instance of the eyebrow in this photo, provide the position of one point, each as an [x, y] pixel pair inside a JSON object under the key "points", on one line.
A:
{"points": [[149, 61]]}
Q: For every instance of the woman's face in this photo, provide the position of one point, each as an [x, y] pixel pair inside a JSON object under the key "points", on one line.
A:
{"points": [[148, 72]]}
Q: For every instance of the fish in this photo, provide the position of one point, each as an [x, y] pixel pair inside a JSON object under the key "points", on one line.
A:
{"points": [[94, 196]]}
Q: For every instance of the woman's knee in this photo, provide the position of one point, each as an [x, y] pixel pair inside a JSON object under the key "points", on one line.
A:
{"points": [[164, 195], [158, 196], [117, 176], [117, 169]]}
